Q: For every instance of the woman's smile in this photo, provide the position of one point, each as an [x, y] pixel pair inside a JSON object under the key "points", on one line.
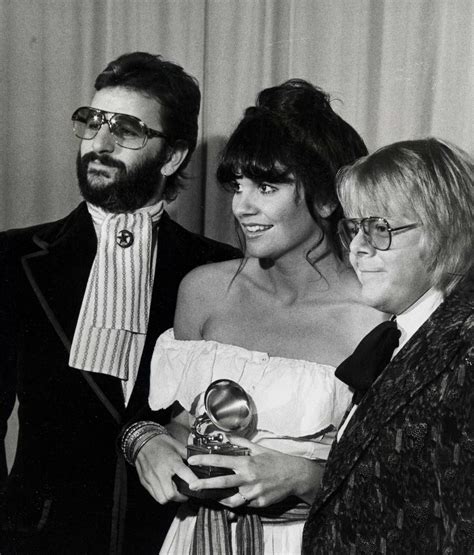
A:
{"points": [[252, 230]]}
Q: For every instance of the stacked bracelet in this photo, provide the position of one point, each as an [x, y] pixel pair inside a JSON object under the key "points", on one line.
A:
{"points": [[137, 435]]}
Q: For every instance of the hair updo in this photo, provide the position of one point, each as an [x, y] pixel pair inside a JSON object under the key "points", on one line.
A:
{"points": [[292, 132]]}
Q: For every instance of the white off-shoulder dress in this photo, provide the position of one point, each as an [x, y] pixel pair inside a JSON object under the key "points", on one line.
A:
{"points": [[299, 405]]}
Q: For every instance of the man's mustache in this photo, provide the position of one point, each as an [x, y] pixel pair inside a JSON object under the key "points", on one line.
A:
{"points": [[104, 159]]}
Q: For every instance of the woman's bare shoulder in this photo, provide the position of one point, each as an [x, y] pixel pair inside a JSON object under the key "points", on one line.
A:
{"points": [[211, 279], [202, 291]]}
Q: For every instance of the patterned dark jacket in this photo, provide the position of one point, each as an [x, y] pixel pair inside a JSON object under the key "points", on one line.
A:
{"points": [[69, 490], [401, 478]]}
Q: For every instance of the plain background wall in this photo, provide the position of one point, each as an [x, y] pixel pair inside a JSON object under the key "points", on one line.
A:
{"points": [[397, 69]]}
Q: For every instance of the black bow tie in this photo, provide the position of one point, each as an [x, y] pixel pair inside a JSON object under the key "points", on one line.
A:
{"points": [[369, 359]]}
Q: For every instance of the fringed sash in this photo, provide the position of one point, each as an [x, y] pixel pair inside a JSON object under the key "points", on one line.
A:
{"points": [[212, 533]]}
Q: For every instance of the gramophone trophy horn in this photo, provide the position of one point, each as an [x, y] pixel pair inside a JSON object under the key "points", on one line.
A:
{"points": [[228, 409]]}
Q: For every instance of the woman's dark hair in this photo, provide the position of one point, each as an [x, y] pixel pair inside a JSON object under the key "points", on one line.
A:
{"points": [[293, 131], [175, 90]]}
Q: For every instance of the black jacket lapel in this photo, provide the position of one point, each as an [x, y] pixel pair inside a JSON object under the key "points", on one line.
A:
{"points": [[58, 274], [60, 269]]}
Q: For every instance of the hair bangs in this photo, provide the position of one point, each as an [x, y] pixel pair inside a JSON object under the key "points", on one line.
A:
{"points": [[376, 185], [360, 193], [259, 150]]}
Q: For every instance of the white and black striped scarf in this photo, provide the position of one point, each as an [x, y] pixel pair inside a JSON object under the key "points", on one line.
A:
{"points": [[111, 329]]}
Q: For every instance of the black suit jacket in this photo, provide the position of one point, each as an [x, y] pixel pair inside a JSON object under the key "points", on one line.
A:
{"points": [[69, 490], [401, 478]]}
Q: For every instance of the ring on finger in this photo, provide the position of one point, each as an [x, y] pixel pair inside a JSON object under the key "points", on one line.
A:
{"points": [[244, 498]]}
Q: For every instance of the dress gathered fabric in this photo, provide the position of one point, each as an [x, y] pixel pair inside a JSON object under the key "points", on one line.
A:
{"points": [[299, 405]]}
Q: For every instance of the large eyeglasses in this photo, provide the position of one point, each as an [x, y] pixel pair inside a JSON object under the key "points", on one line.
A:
{"points": [[377, 231], [127, 131]]}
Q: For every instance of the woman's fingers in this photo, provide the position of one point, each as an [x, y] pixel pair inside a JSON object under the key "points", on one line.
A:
{"points": [[254, 448], [222, 461], [157, 463], [219, 482], [186, 474], [237, 500]]}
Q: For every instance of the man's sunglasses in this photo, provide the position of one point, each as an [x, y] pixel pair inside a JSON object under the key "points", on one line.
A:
{"points": [[127, 131]]}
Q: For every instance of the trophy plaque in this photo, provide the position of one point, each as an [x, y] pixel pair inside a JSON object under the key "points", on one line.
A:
{"points": [[228, 409]]}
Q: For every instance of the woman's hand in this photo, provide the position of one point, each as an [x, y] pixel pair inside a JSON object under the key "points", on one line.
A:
{"points": [[264, 478], [157, 462]]}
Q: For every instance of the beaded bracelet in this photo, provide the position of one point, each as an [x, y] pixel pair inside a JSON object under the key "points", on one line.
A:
{"points": [[137, 435]]}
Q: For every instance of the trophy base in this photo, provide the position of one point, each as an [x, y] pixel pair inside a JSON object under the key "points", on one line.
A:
{"points": [[210, 471]]}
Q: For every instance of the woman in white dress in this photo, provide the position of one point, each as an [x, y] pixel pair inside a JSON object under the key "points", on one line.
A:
{"points": [[277, 322]]}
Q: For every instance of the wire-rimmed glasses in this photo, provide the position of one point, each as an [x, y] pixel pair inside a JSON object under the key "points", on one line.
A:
{"points": [[127, 131], [377, 231]]}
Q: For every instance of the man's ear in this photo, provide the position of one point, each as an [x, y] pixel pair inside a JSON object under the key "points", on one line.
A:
{"points": [[176, 155]]}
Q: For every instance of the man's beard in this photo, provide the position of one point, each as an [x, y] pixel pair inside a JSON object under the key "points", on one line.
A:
{"points": [[131, 189]]}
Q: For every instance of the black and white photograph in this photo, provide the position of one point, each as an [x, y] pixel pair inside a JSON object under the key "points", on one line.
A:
{"points": [[236, 277]]}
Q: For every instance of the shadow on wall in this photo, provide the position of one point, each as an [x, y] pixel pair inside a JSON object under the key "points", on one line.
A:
{"points": [[204, 206]]}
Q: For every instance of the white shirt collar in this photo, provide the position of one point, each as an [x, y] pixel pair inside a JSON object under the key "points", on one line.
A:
{"points": [[415, 316]]}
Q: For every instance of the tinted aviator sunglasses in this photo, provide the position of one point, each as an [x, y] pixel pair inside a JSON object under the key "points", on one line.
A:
{"points": [[127, 131], [377, 231]]}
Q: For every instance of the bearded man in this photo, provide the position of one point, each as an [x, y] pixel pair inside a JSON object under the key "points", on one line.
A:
{"points": [[82, 302]]}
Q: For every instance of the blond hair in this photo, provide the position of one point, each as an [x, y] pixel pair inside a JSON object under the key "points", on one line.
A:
{"points": [[430, 179]]}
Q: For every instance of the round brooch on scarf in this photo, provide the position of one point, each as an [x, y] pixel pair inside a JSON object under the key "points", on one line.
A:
{"points": [[124, 238]]}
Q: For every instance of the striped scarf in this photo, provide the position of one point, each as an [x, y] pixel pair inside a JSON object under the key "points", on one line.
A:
{"points": [[111, 329], [212, 531]]}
